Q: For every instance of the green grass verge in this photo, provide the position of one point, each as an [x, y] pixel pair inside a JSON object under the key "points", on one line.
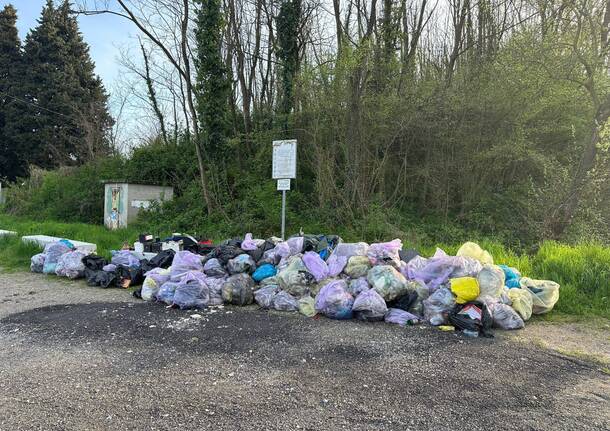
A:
{"points": [[583, 270]]}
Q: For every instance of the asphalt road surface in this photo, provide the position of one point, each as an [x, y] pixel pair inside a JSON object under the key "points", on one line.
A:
{"points": [[79, 358]]}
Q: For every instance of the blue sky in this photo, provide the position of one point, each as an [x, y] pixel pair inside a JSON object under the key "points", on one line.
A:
{"points": [[104, 34]]}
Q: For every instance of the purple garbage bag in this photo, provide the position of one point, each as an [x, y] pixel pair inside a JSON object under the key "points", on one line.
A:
{"points": [[334, 301], [441, 267], [192, 291], [369, 306], [314, 264], [358, 285], [111, 267], [215, 289], [125, 258], [183, 262], [336, 264], [248, 244], [400, 317], [385, 253], [295, 244]]}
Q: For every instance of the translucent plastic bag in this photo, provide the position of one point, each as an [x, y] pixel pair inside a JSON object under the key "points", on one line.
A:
{"points": [[264, 271], [238, 289], [183, 262], [264, 296], [511, 276], [545, 294], [52, 254], [295, 244], [385, 253], [369, 306], [307, 306], [358, 285], [505, 317], [71, 265], [522, 302], [270, 281], [466, 289], [248, 244], [336, 264], [413, 266], [438, 306], [125, 258], [192, 291], [166, 292], [401, 317], [491, 282], [440, 267], [387, 281], [295, 278], [334, 301], [37, 262], [474, 251], [242, 263], [214, 268], [347, 249], [284, 301], [357, 266], [315, 265], [153, 282], [215, 290]]}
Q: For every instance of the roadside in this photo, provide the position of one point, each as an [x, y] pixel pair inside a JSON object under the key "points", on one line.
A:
{"points": [[76, 357]]}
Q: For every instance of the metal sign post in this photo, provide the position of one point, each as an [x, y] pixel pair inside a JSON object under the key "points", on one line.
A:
{"points": [[284, 168]]}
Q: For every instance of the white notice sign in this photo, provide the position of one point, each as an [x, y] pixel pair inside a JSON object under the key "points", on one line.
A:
{"points": [[284, 159], [283, 184]]}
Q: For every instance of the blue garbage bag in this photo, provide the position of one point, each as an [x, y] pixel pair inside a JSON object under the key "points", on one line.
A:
{"points": [[264, 271]]}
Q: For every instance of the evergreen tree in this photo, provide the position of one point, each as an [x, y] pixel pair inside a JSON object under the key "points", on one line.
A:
{"points": [[66, 118], [10, 74], [288, 22], [213, 86]]}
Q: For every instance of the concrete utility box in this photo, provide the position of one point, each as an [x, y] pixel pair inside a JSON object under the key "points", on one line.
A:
{"points": [[123, 201]]}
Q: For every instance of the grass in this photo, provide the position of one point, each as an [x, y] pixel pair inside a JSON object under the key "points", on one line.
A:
{"points": [[583, 270]]}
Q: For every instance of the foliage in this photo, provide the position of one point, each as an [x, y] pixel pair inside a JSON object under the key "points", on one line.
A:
{"points": [[288, 22]]}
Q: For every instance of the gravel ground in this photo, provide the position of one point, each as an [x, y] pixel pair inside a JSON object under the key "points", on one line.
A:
{"points": [[74, 357]]}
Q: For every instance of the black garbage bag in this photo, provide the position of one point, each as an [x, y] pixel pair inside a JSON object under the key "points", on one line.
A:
{"points": [[128, 276], [234, 242], [472, 316], [407, 255], [225, 252], [257, 254], [93, 262], [162, 259], [100, 278], [238, 290], [404, 302]]}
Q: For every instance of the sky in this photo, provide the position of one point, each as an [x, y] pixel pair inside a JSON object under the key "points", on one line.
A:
{"points": [[104, 33]]}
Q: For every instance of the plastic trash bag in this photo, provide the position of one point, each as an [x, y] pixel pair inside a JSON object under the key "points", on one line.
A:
{"points": [[295, 278], [385, 253], [71, 265], [407, 255], [295, 244], [491, 282], [315, 265], [307, 306], [401, 317], [545, 294], [504, 317], [185, 261], [264, 296], [387, 281], [438, 306], [511, 276], [153, 282], [334, 301], [224, 253], [241, 263], [125, 258], [284, 301], [465, 289], [53, 252], [166, 292], [412, 300], [37, 262], [269, 281], [111, 267], [369, 306], [264, 271], [357, 266], [192, 291], [440, 267], [522, 302], [347, 249], [473, 317], [238, 289], [248, 244], [474, 251], [214, 268], [413, 266], [336, 264], [358, 285], [215, 290]]}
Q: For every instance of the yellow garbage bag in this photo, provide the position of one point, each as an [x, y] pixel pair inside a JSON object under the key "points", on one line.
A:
{"points": [[545, 294], [474, 251], [522, 302], [465, 289]]}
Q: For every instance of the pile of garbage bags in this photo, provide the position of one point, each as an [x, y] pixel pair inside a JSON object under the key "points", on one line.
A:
{"points": [[321, 274]]}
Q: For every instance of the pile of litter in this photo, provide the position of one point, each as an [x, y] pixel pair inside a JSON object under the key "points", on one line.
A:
{"points": [[319, 274]]}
